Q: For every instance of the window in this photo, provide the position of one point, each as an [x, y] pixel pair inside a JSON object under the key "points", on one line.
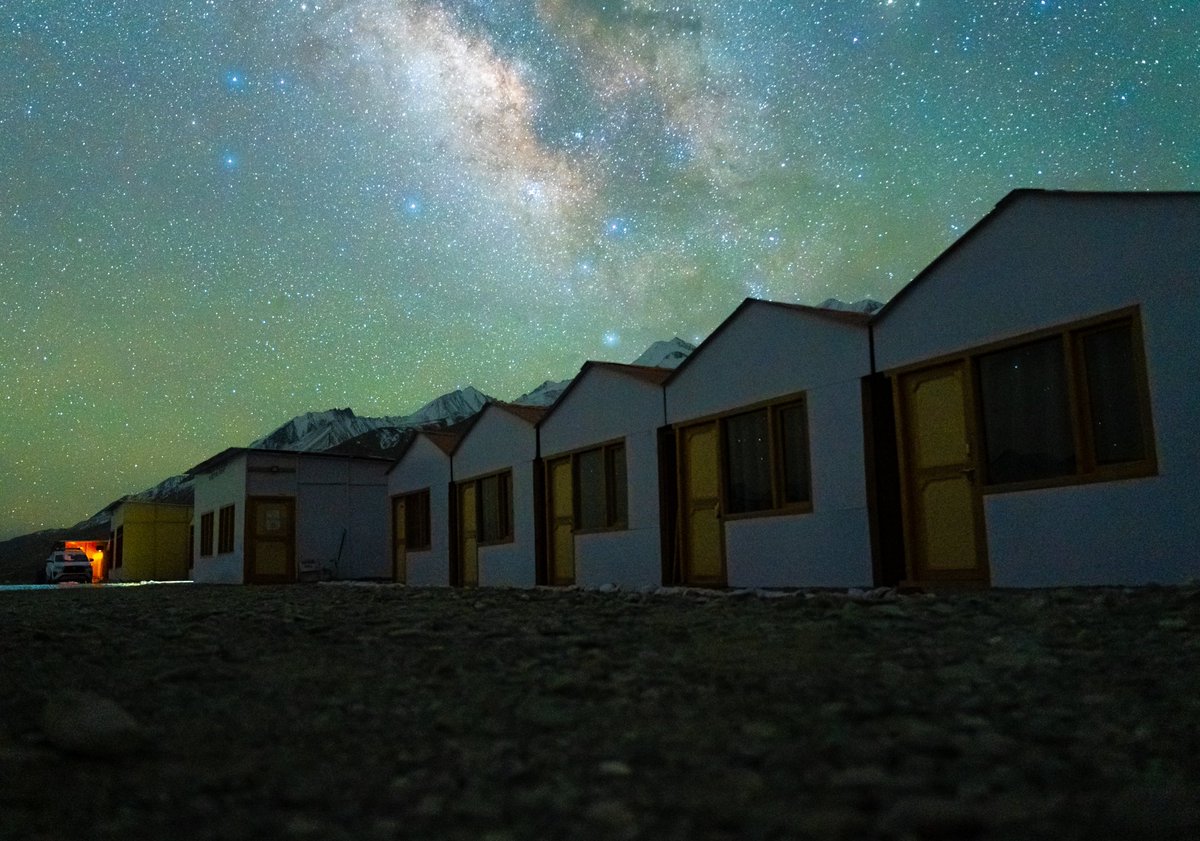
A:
{"points": [[1070, 406], [1026, 418], [206, 534], [766, 459], [494, 495], [225, 530], [119, 548], [601, 492], [416, 520]]}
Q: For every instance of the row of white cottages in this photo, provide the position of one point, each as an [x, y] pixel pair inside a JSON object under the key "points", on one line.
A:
{"points": [[1023, 413]]}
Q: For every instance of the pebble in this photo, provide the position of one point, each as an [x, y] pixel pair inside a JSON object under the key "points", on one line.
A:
{"points": [[85, 724]]}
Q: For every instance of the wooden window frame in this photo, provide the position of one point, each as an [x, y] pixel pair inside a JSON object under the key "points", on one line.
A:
{"points": [[608, 468], [774, 455], [225, 529], [506, 482], [1086, 470], [206, 534], [421, 497], [774, 407]]}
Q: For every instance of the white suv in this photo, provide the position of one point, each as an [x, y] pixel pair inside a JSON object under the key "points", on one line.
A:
{"points": [[68, 565]]}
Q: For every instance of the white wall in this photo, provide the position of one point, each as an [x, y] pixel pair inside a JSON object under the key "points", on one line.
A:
{"points": [[336, 496], [223, 486], [606, 406], [764, 353], [499, 441], [426, 466], [1046, 260]]}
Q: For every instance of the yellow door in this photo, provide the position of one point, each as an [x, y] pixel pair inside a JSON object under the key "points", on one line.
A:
{"points": [[943, 513], [399, 541], [700, 498], [562, 522], [468, 536], [270, 540]]}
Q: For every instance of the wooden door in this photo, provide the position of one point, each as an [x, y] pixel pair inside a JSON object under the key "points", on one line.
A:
{"points": [[700, 501], [468, 535], [270, 540], [561, 520], [943, 512], [399, 540]]}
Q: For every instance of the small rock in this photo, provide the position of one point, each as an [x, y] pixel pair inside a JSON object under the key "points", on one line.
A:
{"points": [[615, 768], [86, 724], [1173, 623]]}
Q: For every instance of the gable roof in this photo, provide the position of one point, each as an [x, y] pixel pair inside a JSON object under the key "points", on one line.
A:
{"points": [[845, 317], [529, 414], [227, 455], [644, 373], [1004, 206]]}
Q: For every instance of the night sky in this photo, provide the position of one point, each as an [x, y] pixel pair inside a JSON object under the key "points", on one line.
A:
{"points": [[219, 215]]}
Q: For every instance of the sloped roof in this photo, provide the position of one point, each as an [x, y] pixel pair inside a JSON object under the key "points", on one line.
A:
{"points": [[1003, 206], [644, 373], [845, 317], [530, 414], [210, 464]]}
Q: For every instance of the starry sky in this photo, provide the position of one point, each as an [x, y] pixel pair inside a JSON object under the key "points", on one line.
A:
{"points": [[218, 214]]}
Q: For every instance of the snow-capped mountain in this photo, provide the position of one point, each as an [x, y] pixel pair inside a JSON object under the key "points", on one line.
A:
{"points": [[315, 431], [868, 306], [447, 409], [318, 430], [665, 354], [544, 395]]}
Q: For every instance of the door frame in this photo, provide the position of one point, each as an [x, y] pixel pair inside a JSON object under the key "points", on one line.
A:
{"points": [[554, 520], [980, 576], [683, 473], [249, 535]]}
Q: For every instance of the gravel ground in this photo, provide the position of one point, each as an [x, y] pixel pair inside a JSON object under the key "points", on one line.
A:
{"points": [[378, 712]]}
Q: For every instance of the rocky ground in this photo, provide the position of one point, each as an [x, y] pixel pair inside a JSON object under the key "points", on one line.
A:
{"points": [[355, 712]]}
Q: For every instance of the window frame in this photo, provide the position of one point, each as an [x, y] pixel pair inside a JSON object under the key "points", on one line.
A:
{"points": [[775, 457], [774, 406], [505, 478], [226, 529], [422, 496], [206, 534], [609, 492], [1070, 333]]}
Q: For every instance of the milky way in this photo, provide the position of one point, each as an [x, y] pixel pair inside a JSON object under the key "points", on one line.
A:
{"points": [[218, 215]]}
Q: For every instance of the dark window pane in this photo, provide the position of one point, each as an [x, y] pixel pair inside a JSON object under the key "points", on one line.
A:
{"points": [[618, 486], [416, 520], [495, 513], [793, 437], [589, 473], [1113, 395], [1026, 420], [748, 462]]}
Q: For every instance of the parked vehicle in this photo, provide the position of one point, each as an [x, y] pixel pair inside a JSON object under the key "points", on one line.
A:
{"points": [[68, 565]]}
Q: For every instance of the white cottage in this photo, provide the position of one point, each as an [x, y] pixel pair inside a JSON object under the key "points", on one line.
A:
{"points": [[768, 422], [497, 513], [264, 515], [1044, 399], [600, 446], [420, 487]]}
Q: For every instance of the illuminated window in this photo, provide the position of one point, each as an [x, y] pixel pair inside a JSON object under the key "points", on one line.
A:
{"points": [[225, 530]]}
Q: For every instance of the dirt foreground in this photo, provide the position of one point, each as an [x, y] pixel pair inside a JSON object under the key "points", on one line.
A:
{"points": [[379, 712]]}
